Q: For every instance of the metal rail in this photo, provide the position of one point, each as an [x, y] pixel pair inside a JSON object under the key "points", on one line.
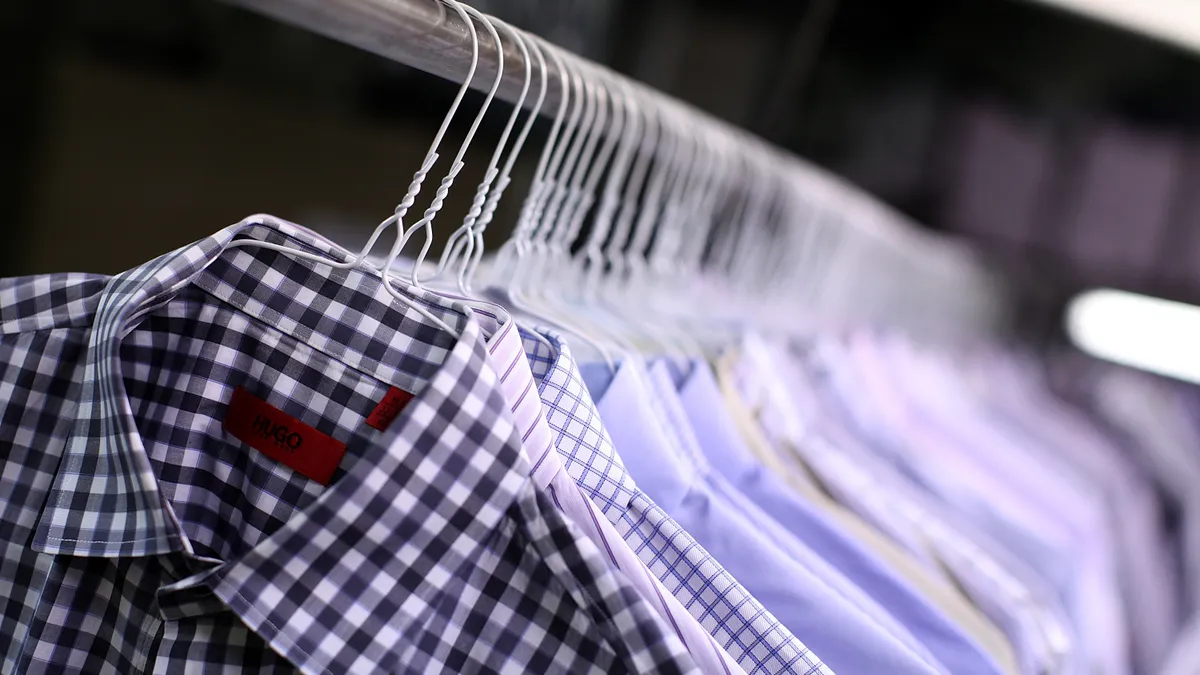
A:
{"points": [[424, 34]]}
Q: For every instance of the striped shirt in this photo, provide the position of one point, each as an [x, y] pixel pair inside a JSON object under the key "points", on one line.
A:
{"points": [[507, 350], [739, 623]]}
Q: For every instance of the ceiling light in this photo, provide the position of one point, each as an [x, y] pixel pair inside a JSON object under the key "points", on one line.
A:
{"points": [[1152, 334]]}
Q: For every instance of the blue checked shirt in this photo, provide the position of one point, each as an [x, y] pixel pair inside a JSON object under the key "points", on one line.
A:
{"points": [[848, 630], [760, 644], [139, 536]]}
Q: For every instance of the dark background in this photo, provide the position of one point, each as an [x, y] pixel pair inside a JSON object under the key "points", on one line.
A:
{"points": [[1067, 150]]}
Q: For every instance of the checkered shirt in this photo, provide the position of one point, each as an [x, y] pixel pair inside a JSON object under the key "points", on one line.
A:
{"points": [[136, 536], [507, 350], [741, 625]]}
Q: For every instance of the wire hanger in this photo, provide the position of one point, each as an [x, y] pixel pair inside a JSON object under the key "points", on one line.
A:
{"points": [[554, 263], [589, 269], [467, 242], [528, 239], [519, 242], [562, 188], [556, 268], [471, 263], [633, 288], [360, 260], [545, 184], [425, 224], [592, 256], [463, 240]]}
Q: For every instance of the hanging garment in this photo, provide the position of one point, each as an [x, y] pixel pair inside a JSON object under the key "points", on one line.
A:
{"points": [[880, 497], [1047, 516], [737, 620], [722, 445], [683, 438], [1151, 574], [847, 639], [150, 533], [838, 533], [1184, 656], [1137, 405], [506, 350]]}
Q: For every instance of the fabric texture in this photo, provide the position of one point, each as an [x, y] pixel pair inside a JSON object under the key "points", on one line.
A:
{"points": [[723, 446], [508, 350], [140, 537], [846, 627], [929, 583], [1149, 571], [994, 474], [738, 622], [827, 446]]}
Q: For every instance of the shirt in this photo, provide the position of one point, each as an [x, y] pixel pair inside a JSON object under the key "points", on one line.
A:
{"points": [[878, 494], [1149, 574], [840, 632], [740, 624], [875, 619], [1001, 582], [1099, 513], [722, 445], [507, 347], [141, 536], [1026, 500], [523, 389], [1184, 656], [1135, 404], [931, 583]]}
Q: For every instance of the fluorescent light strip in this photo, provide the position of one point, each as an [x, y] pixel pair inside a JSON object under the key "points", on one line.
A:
{"points": [[1176, 21], [1152, 334]]}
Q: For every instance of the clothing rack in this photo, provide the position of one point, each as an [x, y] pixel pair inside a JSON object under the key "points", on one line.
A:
{"points": [[936, 286], [423, 34]]}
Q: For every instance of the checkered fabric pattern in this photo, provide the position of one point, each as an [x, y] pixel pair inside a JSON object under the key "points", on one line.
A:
{"points": [[138, 537], [550, 475], [739, 623]]}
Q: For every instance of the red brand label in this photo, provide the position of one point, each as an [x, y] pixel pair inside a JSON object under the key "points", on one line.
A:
{"points": [[282, 437], [387, 410]]}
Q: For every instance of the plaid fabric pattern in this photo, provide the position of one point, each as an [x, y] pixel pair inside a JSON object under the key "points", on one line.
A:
{"points": [[138, 537], [551, 476], [739, 623]]}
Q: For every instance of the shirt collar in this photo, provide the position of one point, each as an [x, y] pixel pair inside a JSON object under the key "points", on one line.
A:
{"points": [[105, 499], [583, 443], [715, 428], [393, 536], [507, 351], [665, 398], [642, 435]]}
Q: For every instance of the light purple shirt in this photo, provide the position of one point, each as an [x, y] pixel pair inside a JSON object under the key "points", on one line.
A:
{"points": [[507, 351], [1030, 500], [1149, 573], [842, 635], [849, 467], [723, 446]]}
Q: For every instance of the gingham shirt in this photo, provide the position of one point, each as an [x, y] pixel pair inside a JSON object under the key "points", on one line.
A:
{"points": [[740, 624], [138, 537]]}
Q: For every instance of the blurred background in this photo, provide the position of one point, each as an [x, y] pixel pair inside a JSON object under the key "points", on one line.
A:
{"points": [[1064, 147]]}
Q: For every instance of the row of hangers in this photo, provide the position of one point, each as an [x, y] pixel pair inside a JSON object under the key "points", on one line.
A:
{"points": [[698, 230]]}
